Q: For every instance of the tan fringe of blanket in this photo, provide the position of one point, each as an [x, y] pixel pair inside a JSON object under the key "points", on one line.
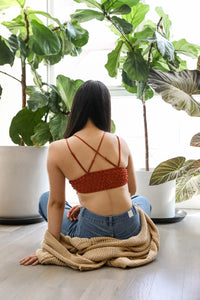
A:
{"points": [[89, 254]]}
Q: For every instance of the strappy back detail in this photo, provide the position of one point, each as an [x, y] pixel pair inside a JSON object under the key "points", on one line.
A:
{"points": [[96, 152], [100, 180]]}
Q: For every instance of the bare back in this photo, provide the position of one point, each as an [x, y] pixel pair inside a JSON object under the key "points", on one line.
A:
{"points": [[108, 202]]}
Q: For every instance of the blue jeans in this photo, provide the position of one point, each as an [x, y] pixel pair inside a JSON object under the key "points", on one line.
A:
{"points": [[90, 225]]}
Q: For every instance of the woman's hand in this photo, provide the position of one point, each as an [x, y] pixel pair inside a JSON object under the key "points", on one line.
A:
{"points": [[73, 213], [30, 260]]}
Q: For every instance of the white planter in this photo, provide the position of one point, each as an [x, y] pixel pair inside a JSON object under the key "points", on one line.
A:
{"points": [[23, 178], [161, 197]]}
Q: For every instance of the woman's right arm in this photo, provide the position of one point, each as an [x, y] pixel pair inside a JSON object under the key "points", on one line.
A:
{"points": [[131, 176]]}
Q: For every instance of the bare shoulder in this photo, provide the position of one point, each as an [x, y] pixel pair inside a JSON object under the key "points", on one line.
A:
{"points": [[56, 148]]}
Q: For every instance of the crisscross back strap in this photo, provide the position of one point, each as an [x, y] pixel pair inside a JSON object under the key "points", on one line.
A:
{"points": [[75, 157], [96, 152]]}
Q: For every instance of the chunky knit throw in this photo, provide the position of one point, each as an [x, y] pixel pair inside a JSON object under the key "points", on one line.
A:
{"points": [[88, 254]]}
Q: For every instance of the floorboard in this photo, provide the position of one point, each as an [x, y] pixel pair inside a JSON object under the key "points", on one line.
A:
{"points": [[175, 274]]}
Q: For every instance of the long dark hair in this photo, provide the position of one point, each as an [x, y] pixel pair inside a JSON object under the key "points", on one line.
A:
{"points": [[91, 101]]}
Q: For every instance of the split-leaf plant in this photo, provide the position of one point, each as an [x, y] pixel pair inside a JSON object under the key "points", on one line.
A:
{"points": [[43, 117]]}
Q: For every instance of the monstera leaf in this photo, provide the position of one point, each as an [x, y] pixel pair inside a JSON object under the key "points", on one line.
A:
{"points": [[177, 88]]}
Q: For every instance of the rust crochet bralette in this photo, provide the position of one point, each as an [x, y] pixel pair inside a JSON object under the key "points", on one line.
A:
{"points": [[101, 180]]}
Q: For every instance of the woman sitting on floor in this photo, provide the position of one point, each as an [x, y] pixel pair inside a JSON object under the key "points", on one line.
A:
{"points": [[99, 166]]}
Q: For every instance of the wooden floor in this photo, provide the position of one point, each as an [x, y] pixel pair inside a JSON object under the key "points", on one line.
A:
{"points": [[175, 274]]}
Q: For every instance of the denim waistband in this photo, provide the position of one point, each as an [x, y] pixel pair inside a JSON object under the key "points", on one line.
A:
{"points": [[85, 213]]}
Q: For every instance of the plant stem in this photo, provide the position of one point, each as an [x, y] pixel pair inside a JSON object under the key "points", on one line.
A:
{"points": [[23, 84], [145, 132], [121, 32], [10, 76]]}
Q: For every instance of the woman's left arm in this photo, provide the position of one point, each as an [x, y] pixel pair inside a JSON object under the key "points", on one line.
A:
{"points": [[56, 201]]}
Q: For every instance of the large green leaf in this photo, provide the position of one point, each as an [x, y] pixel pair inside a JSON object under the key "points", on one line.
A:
{"points": [[23, 124], [54, 102], [77, 35], [168, 170], [109, 5], [37, 100], [121, 10], [177, 89], [188, 185], [58, 125], [7, 56], [165, 47], [13, 43], [45, 14], [122, 25], [37, 79], [41, 134], [136, 67], [113, 60], [67, 89], [46, 41], [90, 3], [4, 4], [84, 15], [137, 14], [183, 47], [130, 85]]}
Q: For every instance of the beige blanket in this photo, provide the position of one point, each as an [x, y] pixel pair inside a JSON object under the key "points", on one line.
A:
{"points": [[89, 254]]}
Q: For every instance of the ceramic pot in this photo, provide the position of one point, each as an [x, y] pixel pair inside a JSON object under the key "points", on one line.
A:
{"points": [[23, 178], [161, 197]]}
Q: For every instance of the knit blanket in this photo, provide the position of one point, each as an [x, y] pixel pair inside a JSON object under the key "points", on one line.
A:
{"points": [[88, 254]]}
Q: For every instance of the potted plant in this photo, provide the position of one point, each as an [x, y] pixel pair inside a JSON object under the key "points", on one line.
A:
{"points": [[43, 117], [177, 89], [140, 47]]}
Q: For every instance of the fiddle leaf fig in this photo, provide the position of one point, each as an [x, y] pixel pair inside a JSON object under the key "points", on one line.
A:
{"points": [[67, 88], [37, 100], [136, 67], [84, 15], [23, 124], [177, 88], [13, 43], [122, 25], [121, 10], [113, 60], [77, 35], [7, 56], [58, 125], [137, 14], [4, 4], [183, 47], [41, 134], [90, 3], [165, 21], [45, 42], [165, 47]]}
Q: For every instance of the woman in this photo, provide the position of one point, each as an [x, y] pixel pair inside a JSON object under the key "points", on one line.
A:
{"points": [[99, 165]]}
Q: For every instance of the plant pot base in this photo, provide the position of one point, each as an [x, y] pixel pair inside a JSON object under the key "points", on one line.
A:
{"points": [[179, 216], [21, 220]]}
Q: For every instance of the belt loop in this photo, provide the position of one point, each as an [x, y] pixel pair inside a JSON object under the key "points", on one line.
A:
{"points": [[110, 220]]}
